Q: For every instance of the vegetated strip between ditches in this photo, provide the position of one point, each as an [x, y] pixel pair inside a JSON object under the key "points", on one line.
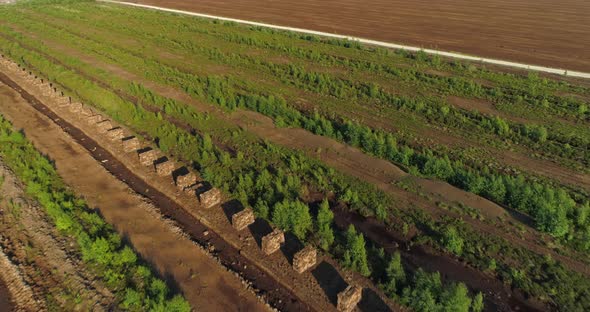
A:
{"points": [[277, 295], [460, 56]]}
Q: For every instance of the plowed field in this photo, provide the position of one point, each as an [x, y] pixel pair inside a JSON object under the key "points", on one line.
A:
{"points": [[545, 32]]}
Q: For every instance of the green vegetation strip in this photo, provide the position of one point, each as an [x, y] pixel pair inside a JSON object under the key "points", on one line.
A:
{"points": [[100, 246]]}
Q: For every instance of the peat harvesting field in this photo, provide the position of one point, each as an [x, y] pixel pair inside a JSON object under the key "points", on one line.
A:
{"points": [[429, 183], [543, 32]]}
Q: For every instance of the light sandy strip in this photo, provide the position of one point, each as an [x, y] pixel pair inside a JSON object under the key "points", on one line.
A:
{"points": [[369, 41]]}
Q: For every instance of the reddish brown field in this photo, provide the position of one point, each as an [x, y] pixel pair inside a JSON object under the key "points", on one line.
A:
{"points": [[5, 302], [542, 32]]}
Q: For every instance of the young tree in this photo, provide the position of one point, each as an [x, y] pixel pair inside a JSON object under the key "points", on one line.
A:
{"points": [[293, 216], [261, 208], [500, 126], [207, 142], [539, 134], [355, 256], [552, 219], [495, 189], [582, 214], [422, 294], [395, 274], [452, 240], [132, 300], [158, 290], [477, 304], [324, 222], [178, 304], [455, 298]]}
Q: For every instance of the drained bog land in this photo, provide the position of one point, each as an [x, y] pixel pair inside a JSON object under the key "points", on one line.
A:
{"points": [[547, 33], [177, 163]]}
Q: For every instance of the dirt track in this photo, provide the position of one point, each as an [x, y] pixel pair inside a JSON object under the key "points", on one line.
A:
{"points": [[545, 32]]}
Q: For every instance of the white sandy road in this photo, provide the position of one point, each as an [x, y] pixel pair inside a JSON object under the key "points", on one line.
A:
{"points": [[550, 70]]}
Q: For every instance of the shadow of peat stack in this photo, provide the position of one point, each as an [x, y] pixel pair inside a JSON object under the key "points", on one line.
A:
{"points": [[330, 280]]}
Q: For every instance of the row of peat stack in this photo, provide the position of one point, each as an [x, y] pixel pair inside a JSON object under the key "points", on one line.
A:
{"points": [[189, 182]]}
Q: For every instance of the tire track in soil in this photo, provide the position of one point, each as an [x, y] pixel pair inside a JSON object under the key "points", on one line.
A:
{"points": [[230, 257], [54, 262], [20, 291]]}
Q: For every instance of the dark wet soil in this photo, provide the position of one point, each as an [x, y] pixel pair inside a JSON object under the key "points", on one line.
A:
{"points": [[5, 301], [230, 257]]}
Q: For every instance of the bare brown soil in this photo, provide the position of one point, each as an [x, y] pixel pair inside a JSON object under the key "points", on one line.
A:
{"points": [[545, 32], [481, 106], [48, 267]]}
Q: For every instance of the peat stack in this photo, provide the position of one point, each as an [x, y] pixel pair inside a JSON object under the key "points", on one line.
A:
{"points": [[349, 298], [272, 242], [305, 259], [210, 198], [147, 158], [243, 219]]}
